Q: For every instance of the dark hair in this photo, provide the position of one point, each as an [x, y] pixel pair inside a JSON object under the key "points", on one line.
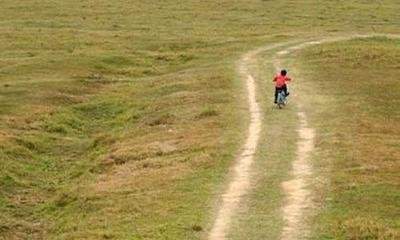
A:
{"points": [[283, 72]]}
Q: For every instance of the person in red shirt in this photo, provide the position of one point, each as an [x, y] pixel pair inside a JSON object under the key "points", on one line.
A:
{"points": [[280, 83]]}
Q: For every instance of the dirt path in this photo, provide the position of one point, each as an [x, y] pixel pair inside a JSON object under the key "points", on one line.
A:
{"points": [[298, 195], [241, 179], [240, 182]]}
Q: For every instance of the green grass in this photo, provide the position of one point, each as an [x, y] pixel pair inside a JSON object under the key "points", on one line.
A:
{"points": [[352, 92], [120, 119], [108, 165]]}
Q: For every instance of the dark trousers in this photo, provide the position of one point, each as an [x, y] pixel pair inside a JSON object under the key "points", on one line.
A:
{"points": [[277, 89]]}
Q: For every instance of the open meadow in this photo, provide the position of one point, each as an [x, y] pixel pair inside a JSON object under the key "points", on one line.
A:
{"points": [[123, 119]]}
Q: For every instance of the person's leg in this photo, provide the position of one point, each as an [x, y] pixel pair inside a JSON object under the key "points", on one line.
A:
{"points": [[276, 94], [285, 90]]}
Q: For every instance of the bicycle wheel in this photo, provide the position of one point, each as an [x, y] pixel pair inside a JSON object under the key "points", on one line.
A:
{"points": [[281, 99]]}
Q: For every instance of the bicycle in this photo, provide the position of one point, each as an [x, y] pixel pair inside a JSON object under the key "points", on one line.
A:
{"points": [[281, 101]]}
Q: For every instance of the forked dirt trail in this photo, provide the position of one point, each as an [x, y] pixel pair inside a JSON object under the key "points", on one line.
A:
{"points": [[240, 182], [297, 191]]}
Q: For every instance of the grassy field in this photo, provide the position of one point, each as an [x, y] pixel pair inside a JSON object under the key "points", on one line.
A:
{"points": [[352, 92], [119, 119]]}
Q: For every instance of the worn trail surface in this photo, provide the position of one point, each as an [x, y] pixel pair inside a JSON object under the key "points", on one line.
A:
{"points": [[240, 182], [298, 194], [241, 176]]}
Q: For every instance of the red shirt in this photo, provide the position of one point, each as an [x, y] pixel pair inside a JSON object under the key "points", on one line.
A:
{"points": [[281, 80]]}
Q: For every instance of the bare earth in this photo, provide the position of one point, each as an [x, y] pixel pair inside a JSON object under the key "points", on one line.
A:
{"points": [[297, 193], [241, 175]]}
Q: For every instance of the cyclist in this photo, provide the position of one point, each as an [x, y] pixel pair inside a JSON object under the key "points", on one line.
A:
{"points": [[280, 83]]}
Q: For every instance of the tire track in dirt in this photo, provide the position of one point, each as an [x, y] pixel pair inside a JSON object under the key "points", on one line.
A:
{"points": [[298, 198], [297, 195], [241, 172]]}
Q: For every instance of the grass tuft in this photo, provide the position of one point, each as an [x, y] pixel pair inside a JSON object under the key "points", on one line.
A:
{"points": [[207, 112], [365, 228]]}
